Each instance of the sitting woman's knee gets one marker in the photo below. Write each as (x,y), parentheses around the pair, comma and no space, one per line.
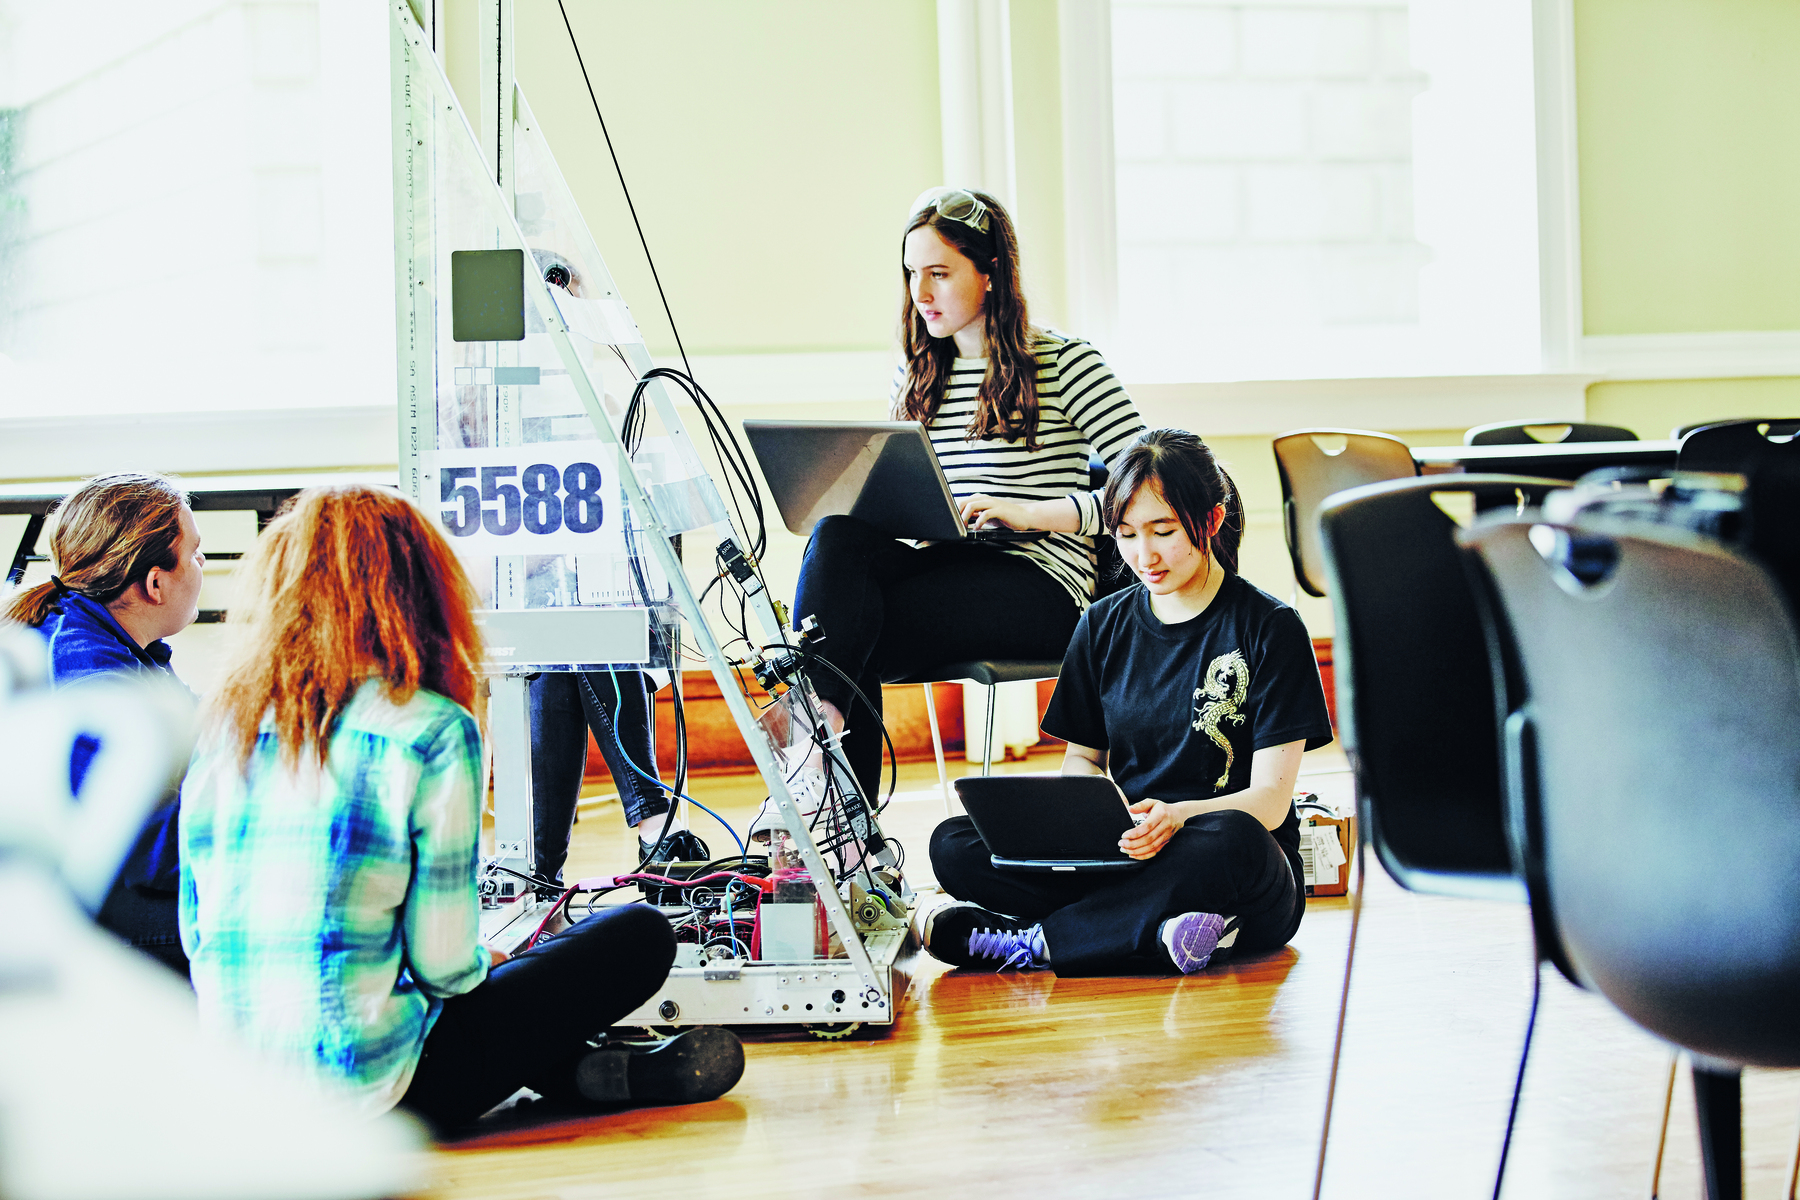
(953,842)
(839,532)
(643,934)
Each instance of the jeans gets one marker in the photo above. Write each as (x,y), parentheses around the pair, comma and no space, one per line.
(145,919)
(564,706)
(1105,923)
(887,608)
(529,1022)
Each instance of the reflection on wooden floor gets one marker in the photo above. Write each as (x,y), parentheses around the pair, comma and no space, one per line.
(1210,1085)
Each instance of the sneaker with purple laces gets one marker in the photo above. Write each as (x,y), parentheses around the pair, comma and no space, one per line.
(1193,938)
(1001,949)
(948,929)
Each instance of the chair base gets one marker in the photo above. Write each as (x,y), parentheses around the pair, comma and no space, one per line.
(1718,1096)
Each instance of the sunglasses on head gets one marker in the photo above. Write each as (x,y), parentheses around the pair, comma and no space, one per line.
(956,204)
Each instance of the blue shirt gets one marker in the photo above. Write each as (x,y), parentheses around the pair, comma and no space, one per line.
(86,640)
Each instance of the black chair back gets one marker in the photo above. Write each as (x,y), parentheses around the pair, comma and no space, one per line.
(1658,773)
(1525,433)
(1415,703)
(1777,425)
(1737,446)
(1110,574)
(1767,454)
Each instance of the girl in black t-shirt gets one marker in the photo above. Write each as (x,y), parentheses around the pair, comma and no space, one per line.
(1197,693)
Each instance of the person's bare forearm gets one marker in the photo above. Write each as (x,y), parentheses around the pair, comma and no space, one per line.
(1268,804)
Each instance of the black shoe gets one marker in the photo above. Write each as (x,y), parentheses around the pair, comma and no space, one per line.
(701,1064)
(682,845)
(947,928)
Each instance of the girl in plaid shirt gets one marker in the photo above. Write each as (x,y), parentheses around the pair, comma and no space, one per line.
(330,833)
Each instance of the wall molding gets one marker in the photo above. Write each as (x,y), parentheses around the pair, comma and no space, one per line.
(198,443)
(1265,407)
(1727,355)
(854,383)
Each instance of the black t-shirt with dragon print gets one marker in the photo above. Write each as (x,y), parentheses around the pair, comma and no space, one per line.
(1181,708)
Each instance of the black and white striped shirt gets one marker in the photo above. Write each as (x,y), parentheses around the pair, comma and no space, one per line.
(1082,410)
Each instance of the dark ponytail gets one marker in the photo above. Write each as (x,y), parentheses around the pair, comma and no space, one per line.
(1191,481)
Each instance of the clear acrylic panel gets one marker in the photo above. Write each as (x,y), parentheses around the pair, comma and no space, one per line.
(675,479)
(508,457)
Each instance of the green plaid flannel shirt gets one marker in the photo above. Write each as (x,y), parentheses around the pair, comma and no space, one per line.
(328,913)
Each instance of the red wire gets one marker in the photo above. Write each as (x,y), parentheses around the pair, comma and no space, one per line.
(543,924)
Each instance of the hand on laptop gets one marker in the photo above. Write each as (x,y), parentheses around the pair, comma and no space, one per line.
(1157,823)
(979,510)
(1062,515)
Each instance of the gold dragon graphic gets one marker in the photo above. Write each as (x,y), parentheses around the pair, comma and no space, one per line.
(1219,700)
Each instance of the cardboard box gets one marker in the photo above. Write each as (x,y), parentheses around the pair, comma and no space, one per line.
(1327,843)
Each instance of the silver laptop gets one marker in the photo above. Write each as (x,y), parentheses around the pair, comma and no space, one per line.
(882,472)
(1049,822)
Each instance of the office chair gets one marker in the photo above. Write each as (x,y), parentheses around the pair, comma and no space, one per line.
(1314,464)
(1415,699)
(1769,461)
(1661,693)
(1780,426)
(1525,433)
(1110,577)
(1736,446)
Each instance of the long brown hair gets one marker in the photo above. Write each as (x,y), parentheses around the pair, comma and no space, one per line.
(106,535)
(1006,406)
(1190,479)
(349,583)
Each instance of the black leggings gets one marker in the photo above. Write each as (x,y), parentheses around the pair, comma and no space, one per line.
(564,706)
(1221,862)
(887,609)
(528,1023)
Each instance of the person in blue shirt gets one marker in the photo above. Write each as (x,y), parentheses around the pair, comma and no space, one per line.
(127,574)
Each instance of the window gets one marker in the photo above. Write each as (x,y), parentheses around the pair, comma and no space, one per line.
(1324,189)
(186,221)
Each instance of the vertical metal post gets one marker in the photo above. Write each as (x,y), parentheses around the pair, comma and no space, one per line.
(509,729)
(509,717)
(414,302)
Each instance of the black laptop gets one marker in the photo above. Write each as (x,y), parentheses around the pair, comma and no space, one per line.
(1049,822)
(882,472)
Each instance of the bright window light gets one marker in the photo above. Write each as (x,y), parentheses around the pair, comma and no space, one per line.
(1329,189)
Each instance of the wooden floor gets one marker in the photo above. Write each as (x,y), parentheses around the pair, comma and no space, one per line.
(1210,1085)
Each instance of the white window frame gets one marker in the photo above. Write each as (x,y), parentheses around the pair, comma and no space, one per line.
(1571,359)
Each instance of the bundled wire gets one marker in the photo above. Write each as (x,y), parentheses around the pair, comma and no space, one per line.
(892,757)
(669,820)
(739,477)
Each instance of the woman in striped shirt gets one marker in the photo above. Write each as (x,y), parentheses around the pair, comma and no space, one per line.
(1014,412)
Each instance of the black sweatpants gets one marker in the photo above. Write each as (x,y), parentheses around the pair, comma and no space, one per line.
(1106,924)
(528,1023)
(564,705)
(887,608)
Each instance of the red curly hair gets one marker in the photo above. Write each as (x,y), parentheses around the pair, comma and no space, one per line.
(349,583)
